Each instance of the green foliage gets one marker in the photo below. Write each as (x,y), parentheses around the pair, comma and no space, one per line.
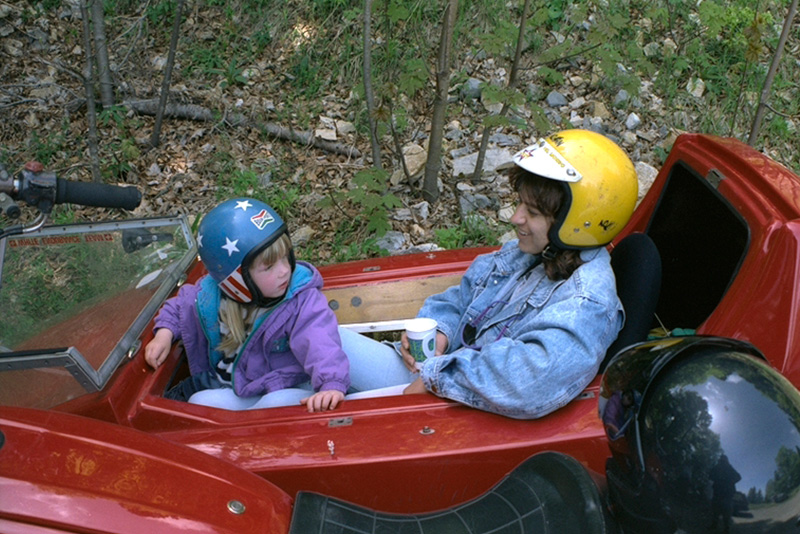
(252,183)
(348,244)
(45,147)
(63,214)
(472,231)
(233,74)
(501,40)
(414,76)
(371,199)
(114,114)
(492,94)
(325,8)
(238,183)
(306,76)
(123,154)
(161,13)
(372,196)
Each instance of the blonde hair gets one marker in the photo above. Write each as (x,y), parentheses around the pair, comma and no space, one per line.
(238,317)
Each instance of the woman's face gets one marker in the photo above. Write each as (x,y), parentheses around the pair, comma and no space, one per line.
(272,280)
(532,228)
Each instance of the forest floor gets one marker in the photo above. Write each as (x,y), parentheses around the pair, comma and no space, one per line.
(199,162)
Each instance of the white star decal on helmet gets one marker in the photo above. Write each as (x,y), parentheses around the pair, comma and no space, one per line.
(230,246)
(199,240)
(243,204)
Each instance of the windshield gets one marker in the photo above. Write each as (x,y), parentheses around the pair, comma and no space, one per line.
(74,300)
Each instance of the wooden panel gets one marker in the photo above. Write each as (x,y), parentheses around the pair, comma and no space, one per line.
(385,301)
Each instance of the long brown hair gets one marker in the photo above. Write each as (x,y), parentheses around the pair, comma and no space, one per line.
(548,197)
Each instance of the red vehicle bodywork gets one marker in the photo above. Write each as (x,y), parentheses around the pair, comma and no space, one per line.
(397,454)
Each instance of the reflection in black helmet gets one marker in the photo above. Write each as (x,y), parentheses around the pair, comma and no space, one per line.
(709,440)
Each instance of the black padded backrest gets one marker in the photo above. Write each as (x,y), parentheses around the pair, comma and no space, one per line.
(637,268)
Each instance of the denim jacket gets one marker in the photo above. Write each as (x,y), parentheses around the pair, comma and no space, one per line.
(539,350)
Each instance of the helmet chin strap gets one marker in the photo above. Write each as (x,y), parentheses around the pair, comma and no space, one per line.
(549,252)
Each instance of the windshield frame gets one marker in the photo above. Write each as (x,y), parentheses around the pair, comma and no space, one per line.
(71,358)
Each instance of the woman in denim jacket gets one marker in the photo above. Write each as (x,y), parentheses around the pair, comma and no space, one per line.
(528,326)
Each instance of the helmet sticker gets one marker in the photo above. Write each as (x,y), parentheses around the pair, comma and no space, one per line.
(262,219)
(543,159)
(243,205)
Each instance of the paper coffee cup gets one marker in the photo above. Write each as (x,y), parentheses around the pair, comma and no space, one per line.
(421,333)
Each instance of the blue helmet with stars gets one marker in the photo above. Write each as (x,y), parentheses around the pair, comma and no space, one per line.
(230,236)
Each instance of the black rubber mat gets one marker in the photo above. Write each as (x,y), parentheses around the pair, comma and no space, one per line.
(548,493)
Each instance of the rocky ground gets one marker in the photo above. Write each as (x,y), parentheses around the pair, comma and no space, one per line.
(43,112)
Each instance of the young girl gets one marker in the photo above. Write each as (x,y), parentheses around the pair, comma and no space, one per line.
(529,325)
(257,330)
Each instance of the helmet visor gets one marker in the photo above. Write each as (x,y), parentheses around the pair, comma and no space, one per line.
(543,159)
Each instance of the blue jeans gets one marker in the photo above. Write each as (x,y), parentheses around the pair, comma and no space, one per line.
(225,398)
(373,365)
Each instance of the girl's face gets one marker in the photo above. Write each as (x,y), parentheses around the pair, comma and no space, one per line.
(532,228)
(272,280)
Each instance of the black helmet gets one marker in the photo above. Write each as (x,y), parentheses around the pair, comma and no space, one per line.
(704,436)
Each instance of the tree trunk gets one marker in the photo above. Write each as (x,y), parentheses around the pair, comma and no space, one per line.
(430,185)
(369,95)
(512,83)
(764,97)
(101,54)
(173,44)
(88,83)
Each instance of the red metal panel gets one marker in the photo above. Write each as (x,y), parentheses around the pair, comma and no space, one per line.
(66,472)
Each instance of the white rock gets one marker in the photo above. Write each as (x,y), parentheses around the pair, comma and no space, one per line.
(32,121)
(696,87)
(465,187)
(495,158)
(345,127)
(13,47)
(505,213)
(326,129)
(302,235)
(629,138)
(159,62)
(646,174)
(415,156)
(652,49)
(578,103)
(600,110)
(633,121)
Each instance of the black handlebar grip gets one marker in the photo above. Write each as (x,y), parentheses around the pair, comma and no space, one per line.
(97,195)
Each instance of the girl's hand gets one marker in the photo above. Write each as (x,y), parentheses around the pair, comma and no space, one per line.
(158,349)
(408,359)
(323,400)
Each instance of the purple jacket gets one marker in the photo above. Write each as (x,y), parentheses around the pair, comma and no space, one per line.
(297,340)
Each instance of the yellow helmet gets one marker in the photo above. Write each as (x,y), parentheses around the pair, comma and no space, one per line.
(601,180)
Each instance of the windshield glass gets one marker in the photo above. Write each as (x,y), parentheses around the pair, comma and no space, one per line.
(74,299)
